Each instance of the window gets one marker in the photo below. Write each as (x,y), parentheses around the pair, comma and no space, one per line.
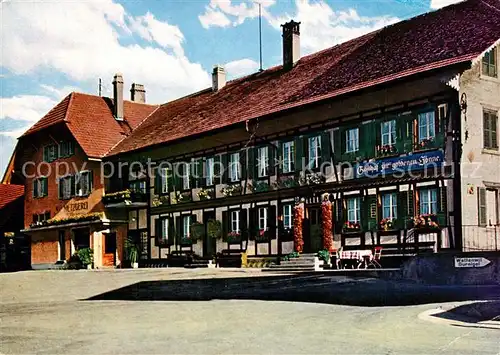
(426,126)
(353,211)
(388,132)
(352,140)
(262,161)
(490,63)
(41,217)
(194,172)
(263,218)
(83,183)
(234,167)
(287,217)
(428,201)
(490,129)
(314,144)
(164,229)
(185,176)
(235,221)
(164,176)
(138,186)
(389,205)
(186,223)
(66,149)
(66,187)
(40,187)
(288,157)
(210,171)
(50,153)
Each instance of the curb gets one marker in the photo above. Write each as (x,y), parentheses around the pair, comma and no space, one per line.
(430,314)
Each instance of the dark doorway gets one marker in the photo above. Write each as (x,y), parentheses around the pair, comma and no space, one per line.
(82,238)
(62,245)
(209,243)
(312,230)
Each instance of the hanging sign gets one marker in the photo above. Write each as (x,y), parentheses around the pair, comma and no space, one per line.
(471,262)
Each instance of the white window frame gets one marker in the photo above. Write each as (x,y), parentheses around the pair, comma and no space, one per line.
(235,221)
(287,214)
(186,183)
(355,209)
(390,135)
(424,121)
(430,204)
(262,214)
(262,161)
(288,149)
(210,171)
(352,136)
(79,183)
(392,200)
(493,52)
(164,180)
(234,167)
(186,222)
(164,229)
(66,187)
(314,151)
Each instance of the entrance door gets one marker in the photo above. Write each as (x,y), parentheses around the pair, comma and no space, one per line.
(109,258)
(82,238)
(62,245)
(209,243)
(312,230)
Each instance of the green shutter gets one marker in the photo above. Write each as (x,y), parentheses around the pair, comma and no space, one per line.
(279,159)
(171,232)
(158,231)
(177,176)
(442,207)
(377,127)
(337,145)
(158,182)
(339,216)
(271,168)
(251,163)
(481,202)
(45,186)
(403,215)
(271,221)
(243,164)
(326,147)
(299,154)
(244,223)
(225,224)
(370,220)
(367,140)
(225,167)
(217,169)
(178,230)
(72,180)
(201,172)
(493,128)
(254,223)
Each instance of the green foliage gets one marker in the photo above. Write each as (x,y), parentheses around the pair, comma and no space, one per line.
(214,228)
(132,250)
(324,255)
(290,256)
(196,231)
(86,256)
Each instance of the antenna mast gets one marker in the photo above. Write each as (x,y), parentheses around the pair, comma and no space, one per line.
(100,87)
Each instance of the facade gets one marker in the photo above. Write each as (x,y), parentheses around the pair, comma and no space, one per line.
(348,147)
(58,161)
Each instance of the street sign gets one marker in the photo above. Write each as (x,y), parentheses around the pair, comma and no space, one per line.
(471,262)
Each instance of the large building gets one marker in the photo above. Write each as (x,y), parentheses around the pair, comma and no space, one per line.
(390,139)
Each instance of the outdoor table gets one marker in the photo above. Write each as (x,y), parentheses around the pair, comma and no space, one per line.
(362,256)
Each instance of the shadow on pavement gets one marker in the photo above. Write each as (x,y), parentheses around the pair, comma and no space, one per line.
(297,288)
(473,312)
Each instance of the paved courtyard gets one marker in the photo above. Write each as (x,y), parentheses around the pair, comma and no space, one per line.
(233,311)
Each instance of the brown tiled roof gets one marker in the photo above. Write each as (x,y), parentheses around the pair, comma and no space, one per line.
(10,193)
(90,119)
(455,34)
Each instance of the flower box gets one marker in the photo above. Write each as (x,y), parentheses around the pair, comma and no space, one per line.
(386,150)
(424,144)
(94,216)
(351,227)
(126,196)
(233,237)
(205,194)
(181,197)
(312,179)
(425,221)
(387,224)
(259,186)
(231,190)
(286,182)
(160,201)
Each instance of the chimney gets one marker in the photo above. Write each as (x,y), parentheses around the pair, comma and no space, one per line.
(118,96)
(291,44)
(218,78)
(137,93)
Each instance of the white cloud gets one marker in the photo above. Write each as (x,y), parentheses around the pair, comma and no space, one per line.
(437,4)
(322,27)
(222,13)
(241,67)
(82,41)
(28,108)
(213,18)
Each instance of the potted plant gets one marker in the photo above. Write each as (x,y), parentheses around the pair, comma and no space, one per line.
(196,230)
(214,228)
(132,252)
(86,256)
(387,224)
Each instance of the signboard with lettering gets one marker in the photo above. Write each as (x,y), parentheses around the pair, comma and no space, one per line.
(402,164)
(471,262)
(77,207)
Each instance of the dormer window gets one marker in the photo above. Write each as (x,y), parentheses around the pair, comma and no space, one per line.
(489,63)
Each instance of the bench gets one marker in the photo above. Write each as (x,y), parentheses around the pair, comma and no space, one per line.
(231,258)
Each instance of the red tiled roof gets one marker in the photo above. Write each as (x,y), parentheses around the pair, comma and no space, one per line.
(90,119)
(10,193)
(455,34)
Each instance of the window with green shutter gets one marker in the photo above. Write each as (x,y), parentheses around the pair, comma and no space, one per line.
(370,218)
(489,63)
(287,157)
(490,130)
(481,206)
(299,155)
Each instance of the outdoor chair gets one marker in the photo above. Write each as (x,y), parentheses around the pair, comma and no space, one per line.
(338,259)
(377,255)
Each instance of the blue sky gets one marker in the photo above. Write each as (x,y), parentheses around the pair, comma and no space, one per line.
(50,49)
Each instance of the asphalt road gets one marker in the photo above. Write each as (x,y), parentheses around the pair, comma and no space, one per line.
(230,311)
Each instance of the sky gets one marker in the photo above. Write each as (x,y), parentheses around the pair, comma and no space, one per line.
(52,48)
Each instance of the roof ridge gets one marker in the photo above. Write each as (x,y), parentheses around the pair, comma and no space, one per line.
(65,119)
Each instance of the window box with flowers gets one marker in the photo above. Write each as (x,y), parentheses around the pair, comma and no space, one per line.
(286,182)
(181,197)
(262,236)
(386,150)
(231,190)
(94,216)
(160,201)
(259,186)
(232,237)
(351,227)
(205,194)
(312,179)
(388,224)
(426,221)
(425,144)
